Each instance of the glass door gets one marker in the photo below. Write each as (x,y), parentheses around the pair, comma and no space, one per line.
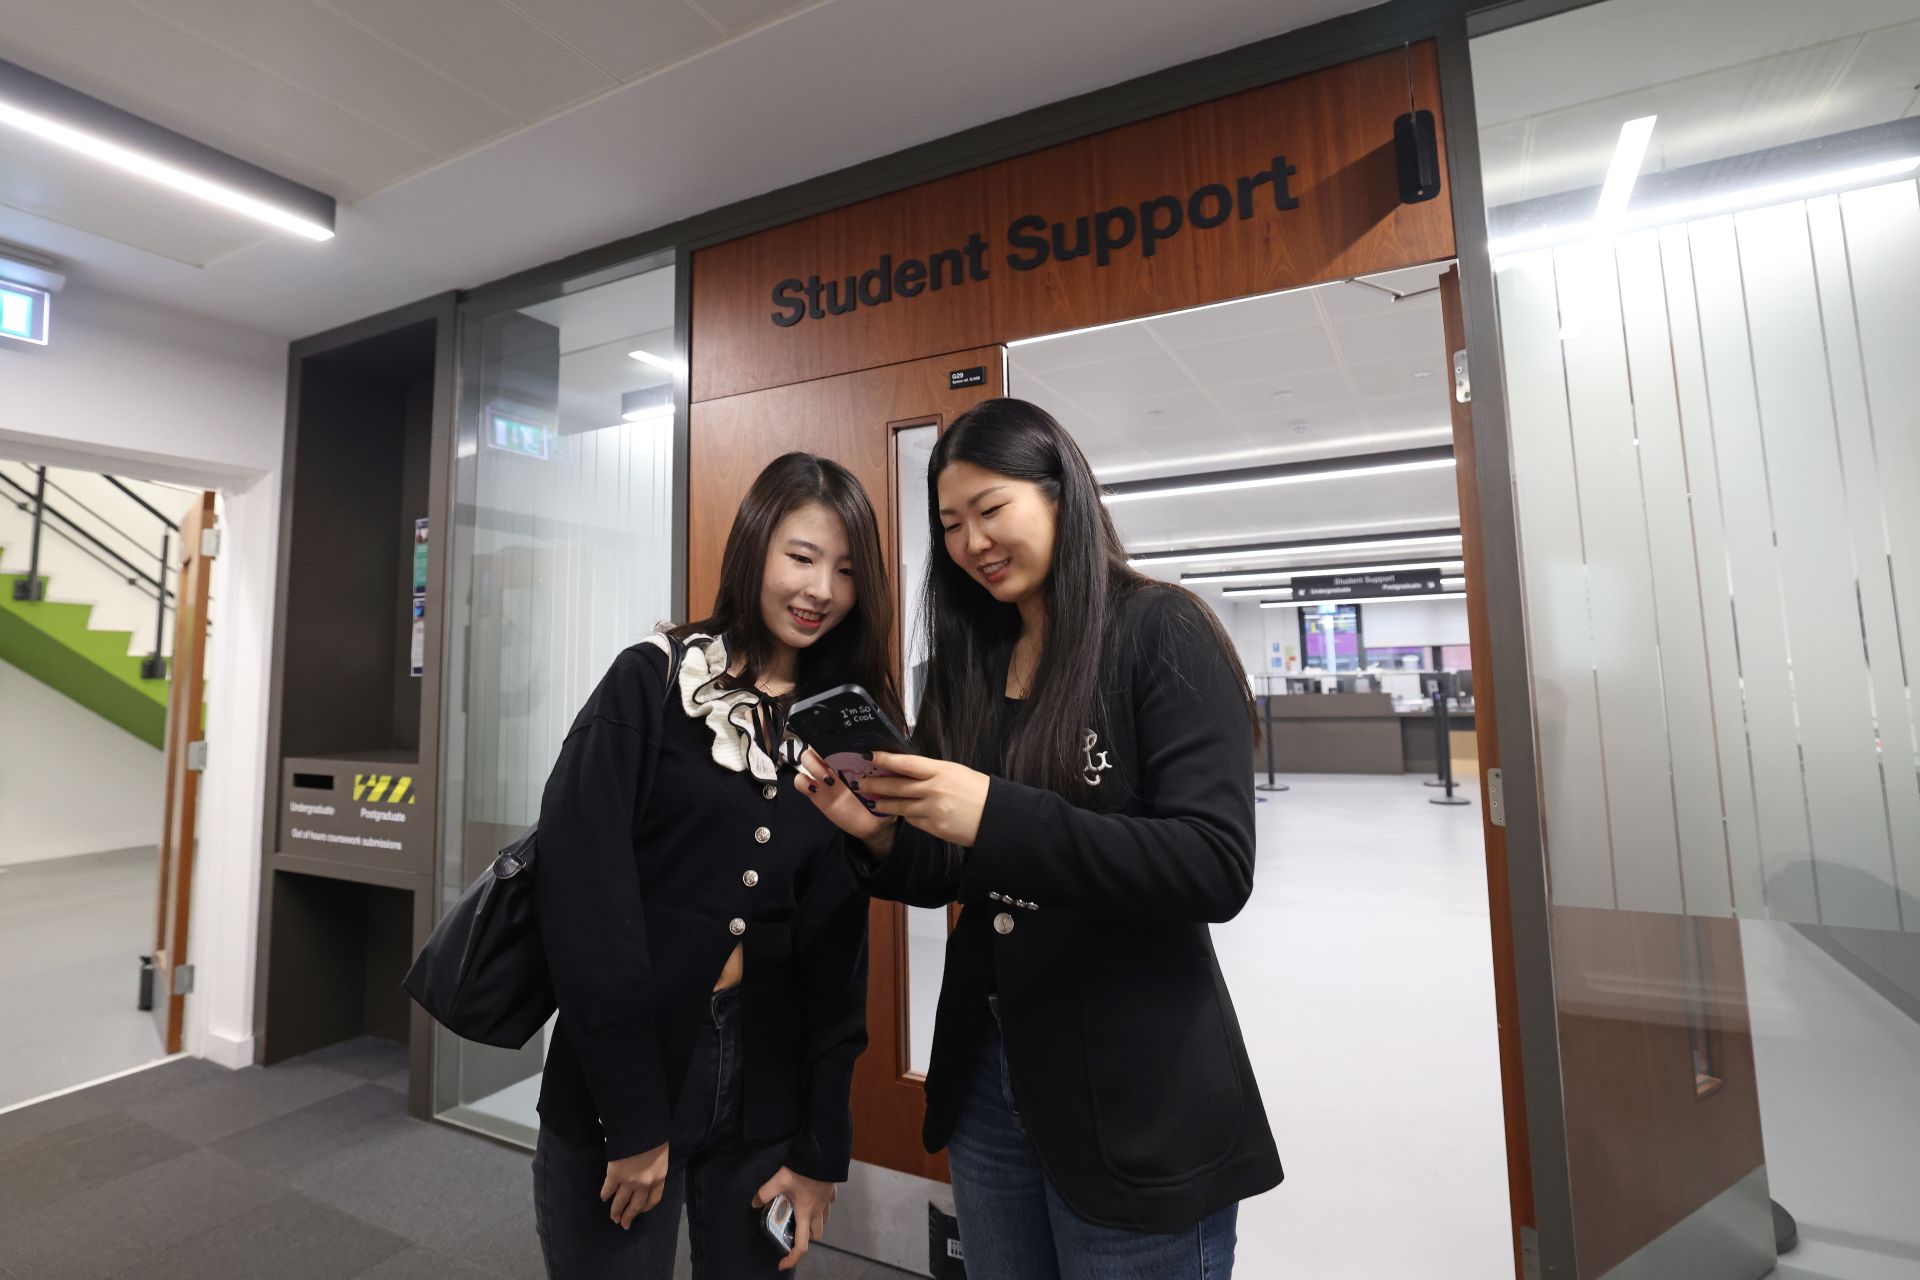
(1705,233)
(564,553)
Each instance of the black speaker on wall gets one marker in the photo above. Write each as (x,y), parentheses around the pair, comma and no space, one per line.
(1416,157)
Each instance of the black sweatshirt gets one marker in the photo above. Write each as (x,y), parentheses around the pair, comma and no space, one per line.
(654,862)
(1089,921)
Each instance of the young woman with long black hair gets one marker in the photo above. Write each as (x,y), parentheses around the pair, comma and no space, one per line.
(707,942)
(1086,791)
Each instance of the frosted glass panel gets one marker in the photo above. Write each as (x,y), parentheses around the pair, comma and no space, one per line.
(563,557)
(1714,437)
(926,927)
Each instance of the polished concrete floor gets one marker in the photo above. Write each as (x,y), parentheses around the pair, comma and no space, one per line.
(1362,974)
(308,1170)
(71,934)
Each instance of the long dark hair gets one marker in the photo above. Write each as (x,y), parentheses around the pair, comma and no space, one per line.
(856,651)
(969,633)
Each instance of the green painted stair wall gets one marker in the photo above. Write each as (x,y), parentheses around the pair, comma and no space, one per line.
(51,642)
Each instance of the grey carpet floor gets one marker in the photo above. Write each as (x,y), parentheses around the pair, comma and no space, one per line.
(309,1170)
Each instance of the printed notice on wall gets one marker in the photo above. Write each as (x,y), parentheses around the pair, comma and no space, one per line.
(419,637)
(419,558)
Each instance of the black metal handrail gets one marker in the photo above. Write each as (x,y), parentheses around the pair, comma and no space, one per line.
(33,586)
(77,501)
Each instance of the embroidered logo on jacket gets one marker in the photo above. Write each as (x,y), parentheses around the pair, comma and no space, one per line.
(1096,765)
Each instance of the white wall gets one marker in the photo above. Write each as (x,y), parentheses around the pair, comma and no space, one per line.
(70,781)
(150,392)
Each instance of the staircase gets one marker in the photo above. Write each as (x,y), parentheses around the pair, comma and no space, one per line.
(100,575)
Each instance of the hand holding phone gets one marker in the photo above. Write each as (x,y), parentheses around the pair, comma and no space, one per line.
(779,1223)
(845,726)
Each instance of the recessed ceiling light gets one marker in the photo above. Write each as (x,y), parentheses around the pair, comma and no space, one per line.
(1298,426)
(1283,394)
(1423,373)
(1156,413)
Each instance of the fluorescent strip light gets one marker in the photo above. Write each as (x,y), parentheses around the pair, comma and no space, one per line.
(1707,206)
(1263,482)
(1629,153)
(678,368)
(119,157)
(1316,548)
(1311,604)
(1289,574)
(649,414)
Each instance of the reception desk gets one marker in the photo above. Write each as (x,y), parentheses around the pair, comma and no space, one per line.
(1357,733)
(1332,733)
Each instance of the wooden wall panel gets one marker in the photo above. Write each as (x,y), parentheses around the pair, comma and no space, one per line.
(1335,128)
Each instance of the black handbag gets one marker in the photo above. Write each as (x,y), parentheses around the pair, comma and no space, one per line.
(483,973)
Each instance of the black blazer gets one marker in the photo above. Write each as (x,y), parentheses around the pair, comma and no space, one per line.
(654,862)
(1091,925)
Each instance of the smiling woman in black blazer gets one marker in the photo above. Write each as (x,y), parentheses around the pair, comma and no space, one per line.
(706,941)
(1085,791)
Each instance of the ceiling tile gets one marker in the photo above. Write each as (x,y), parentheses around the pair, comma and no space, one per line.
(331,57)
(1117,383)
(1266,314)
(1422,410)
(1259,355)
(628,38)
(1097,346)
(1396,378)
(1410,328)
(492,49)
(140,63)
(739,15)
(1285,393)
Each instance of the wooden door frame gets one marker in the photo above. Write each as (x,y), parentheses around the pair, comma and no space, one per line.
(1506,1001)
(186,711)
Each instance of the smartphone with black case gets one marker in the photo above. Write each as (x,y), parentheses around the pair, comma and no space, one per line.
(845,725)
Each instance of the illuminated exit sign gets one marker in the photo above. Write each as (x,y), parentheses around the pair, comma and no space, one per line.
(23,313)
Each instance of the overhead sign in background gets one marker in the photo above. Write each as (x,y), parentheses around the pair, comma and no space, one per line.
(24,312)
(1277,187)
(1353,586)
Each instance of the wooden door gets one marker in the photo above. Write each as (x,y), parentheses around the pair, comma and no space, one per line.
(853,419)
(1506,998)
(186,704)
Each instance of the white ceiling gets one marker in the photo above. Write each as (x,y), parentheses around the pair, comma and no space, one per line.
(1341,369)
(1724,79)
(468,139)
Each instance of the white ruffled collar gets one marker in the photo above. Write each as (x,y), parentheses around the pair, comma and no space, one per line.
(729,713)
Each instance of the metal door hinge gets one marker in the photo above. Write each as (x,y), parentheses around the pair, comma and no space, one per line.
(1529,1253)
(183,979)
(1462,383)
(1496,799)
(209,543)
(197,756)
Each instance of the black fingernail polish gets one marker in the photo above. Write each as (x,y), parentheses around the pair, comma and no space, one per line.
(866,755)
(812,790)
(830,780)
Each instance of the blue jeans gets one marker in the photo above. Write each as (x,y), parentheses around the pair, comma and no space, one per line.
(1015,1226)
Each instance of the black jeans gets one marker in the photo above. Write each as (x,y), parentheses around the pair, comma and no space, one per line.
(709,1172)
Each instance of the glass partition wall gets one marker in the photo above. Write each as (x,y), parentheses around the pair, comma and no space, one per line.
(564,547)
(1705,234)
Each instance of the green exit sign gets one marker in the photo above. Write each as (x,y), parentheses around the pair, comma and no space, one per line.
(23,313)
